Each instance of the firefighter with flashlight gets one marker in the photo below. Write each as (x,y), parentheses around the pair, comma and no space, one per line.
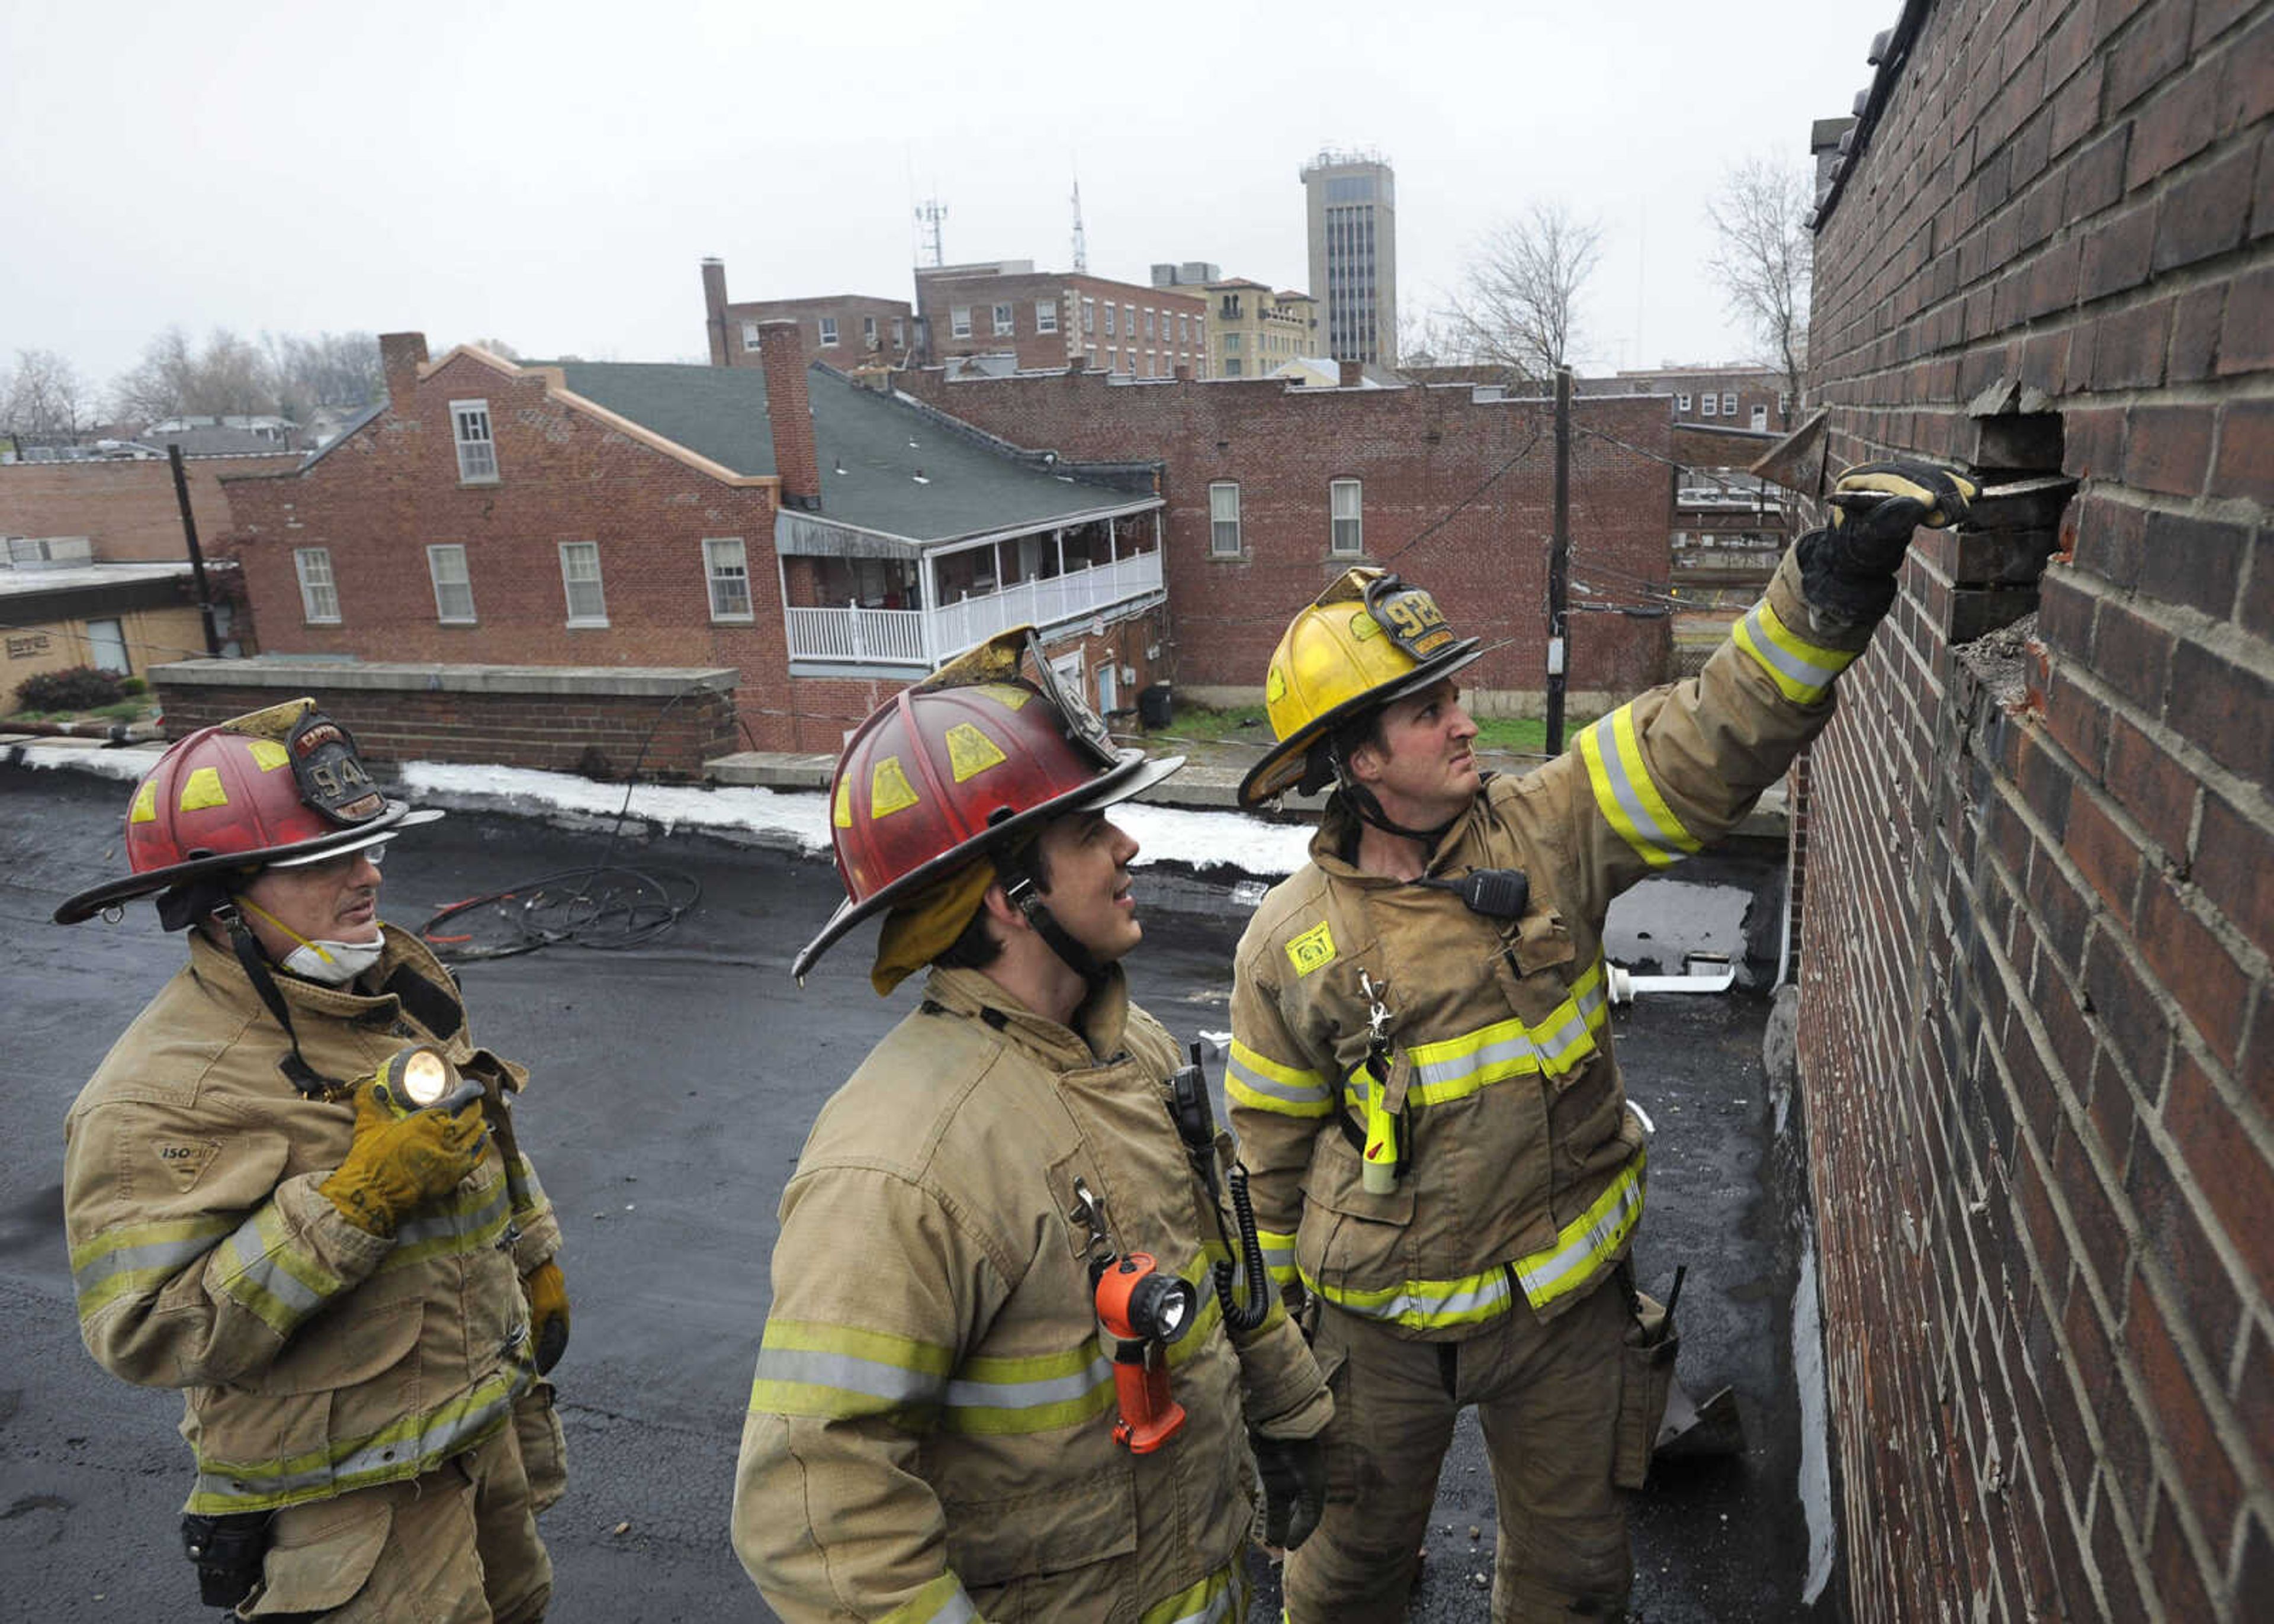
(1000,1377)
(1421,1073)
(292,1189)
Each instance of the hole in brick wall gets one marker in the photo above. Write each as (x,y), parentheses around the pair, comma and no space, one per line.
(2016,525)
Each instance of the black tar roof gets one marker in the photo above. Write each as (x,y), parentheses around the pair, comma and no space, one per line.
(872,446)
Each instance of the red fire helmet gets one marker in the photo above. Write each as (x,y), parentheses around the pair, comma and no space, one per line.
(275,787)
(970,759)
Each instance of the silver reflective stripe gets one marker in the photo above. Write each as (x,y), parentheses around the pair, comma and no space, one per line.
(1513,1048)
(1490,1292)
(891,1384)
(1581,1251)
(1808,677)
(245,1257)
(1644,822)
(224,1486)
(964,1393)
(154,1256)
(446,1225)
(1308,1094)
(957,1609)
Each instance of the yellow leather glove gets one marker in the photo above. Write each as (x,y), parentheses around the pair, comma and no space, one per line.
(398,1164)
(1849,569)
(548,1312)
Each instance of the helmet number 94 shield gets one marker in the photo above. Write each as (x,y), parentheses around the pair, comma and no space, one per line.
(1410,615)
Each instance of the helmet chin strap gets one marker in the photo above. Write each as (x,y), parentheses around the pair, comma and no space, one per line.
(1018,888)
(1368,809)
(304,1077)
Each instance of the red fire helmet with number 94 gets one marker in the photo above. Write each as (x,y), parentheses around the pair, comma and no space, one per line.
(273,788)
(971,758)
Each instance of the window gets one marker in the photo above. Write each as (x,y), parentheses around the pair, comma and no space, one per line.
(1231,344)
(1346,530)
(1729,404)
(1089,316)
(829,331)
(320,598)
(728,568)
(900,331)
(1224,519)
(469,422)
(749,335)
(1046,316)
(1682,403)
(1148,327)
(1003,322)
(1760,416)
(1113,360)
(1706,404)
(580,580)
(959,322)
(454,591)
(1231,366)
(1129,318)
(869,331)
(1109,321)
(1184,329)
(1784,405)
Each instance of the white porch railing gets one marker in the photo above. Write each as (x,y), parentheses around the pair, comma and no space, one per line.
(928,637)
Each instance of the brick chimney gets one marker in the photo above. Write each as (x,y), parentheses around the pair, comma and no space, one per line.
(789,414)
(401,355)
(714,311)
(1354,374)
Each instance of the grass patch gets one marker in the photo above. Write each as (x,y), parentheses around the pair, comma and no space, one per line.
(124,711)
(1248,724)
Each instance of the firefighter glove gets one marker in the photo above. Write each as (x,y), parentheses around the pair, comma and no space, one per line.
(397,1165)
(548,1312)
(1848,569)
(1294,1472)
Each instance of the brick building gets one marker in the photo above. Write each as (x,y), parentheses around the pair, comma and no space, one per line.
(843,330)
(828,542)
(1272,492)
(1049,319)
(126,508)
(2036,1020)
(1747,397)
(1253,331)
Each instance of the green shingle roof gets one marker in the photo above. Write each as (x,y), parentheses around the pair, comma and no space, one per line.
(872,447)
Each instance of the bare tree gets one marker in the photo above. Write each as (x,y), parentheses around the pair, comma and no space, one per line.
(1766,257)
(157,386)
(229,377)
(331,369)
(1518,304)
(46,402)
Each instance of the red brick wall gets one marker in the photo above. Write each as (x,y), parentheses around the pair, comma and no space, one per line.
(379,500)
(1417,453)
(852,347)
(1066,292)
(2036,1033)
(601,735)
(127,510)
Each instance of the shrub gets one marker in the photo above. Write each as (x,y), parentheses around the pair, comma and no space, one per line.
(134,687)
(78,688)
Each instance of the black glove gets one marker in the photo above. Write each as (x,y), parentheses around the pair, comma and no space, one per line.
(1294,1487)
(1849,570)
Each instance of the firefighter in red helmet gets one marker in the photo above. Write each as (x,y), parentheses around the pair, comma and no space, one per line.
(991,1382)
(292,1189)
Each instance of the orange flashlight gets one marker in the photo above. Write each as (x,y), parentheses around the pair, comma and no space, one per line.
(1144,1310)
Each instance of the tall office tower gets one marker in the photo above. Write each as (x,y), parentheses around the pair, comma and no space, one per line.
(1350,199)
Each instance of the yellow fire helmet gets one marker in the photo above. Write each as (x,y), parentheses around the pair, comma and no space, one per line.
(1368,639)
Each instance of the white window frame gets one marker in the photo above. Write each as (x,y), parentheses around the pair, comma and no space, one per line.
(899,330)
(1708,405)
(1784,405)
(1682,403)
(959,322)
(437,556)
(730,569)
(1149,324)
(569,583)
(1346,531)
(1759,419)
(1129,318)
(749,335)
(477,441)
(1046,315)
(1728,403)
(1110,331)
(1231,344)
(1223,518)
(1089,316)
(1183,327)
(827,328)
(320,588)
(1006,320)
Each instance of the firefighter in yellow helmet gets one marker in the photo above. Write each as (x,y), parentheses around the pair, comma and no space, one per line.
(292,1190)
(1421,1075)
(1008,1371)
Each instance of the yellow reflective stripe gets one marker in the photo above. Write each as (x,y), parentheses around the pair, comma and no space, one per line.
(1586,1244)
(1625,793)
(1279,1255)
(1219,1596)
(1257,1080)
(1454,1068)
(940,1602)
(1803,671)
(1424,1305)
(470,1220)
(262,1270)
(128,1258)
(807,1368)
(404,1448)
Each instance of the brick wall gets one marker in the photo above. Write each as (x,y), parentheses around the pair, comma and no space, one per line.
(2036,1033)
(1419,455)
(547,721)
(942,293)
(128,509)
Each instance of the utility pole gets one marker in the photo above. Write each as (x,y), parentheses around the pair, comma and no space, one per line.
(197,556)
(1559,565)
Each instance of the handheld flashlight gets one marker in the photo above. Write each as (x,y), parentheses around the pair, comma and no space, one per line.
(422,1079)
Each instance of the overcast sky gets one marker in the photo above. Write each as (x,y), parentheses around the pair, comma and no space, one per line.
(550,175)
